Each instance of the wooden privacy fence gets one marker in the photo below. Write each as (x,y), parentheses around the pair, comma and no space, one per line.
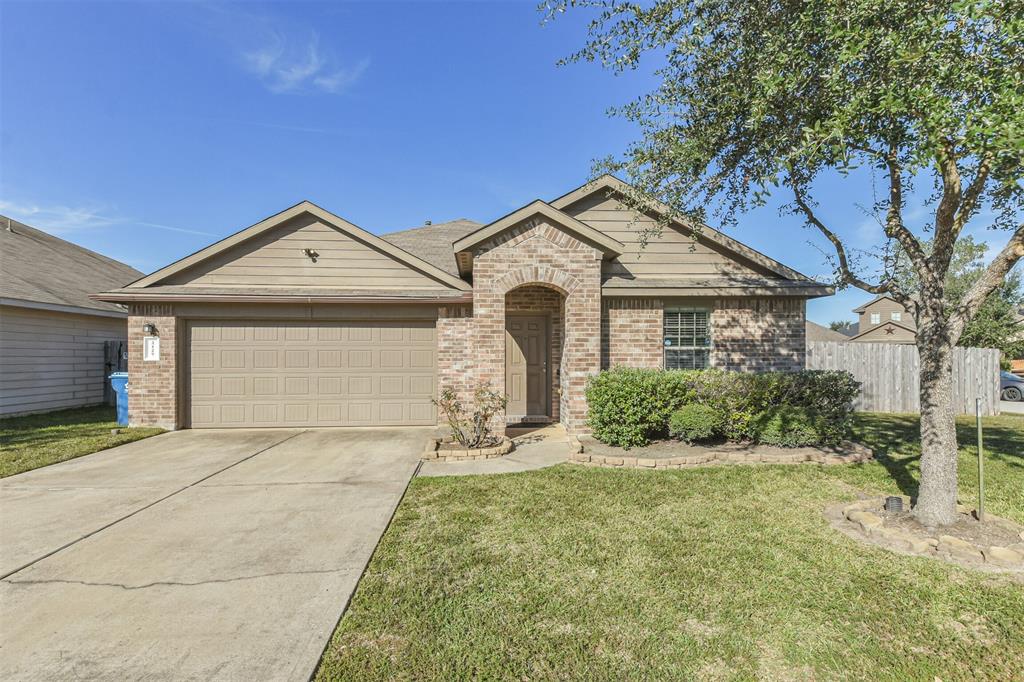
(888,373)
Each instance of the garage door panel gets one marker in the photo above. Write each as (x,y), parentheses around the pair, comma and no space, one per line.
(311,373)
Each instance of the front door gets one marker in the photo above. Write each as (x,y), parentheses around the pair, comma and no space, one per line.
(526,366)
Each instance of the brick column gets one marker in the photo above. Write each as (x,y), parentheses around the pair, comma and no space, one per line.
(456,363)
(153,385)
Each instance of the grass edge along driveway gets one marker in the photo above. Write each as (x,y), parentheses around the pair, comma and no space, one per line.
(36,440)
(710,573)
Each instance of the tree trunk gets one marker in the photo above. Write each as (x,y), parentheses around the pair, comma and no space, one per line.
(936,499)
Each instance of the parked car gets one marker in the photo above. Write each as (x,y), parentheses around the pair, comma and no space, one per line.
(1011,386)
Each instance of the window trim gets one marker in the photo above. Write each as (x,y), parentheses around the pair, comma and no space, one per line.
(896,316)
(711,336)
(876,318)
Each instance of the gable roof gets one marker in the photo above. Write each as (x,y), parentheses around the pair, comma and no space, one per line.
(331,219)
(43,271)
(610,184)
(876,299)
(433,243)
(607,245)
(816,332)
(883,325)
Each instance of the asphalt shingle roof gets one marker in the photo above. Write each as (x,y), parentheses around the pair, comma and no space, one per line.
(38,267)
(433,243)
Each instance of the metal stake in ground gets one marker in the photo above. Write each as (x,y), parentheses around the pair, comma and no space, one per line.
(981,463)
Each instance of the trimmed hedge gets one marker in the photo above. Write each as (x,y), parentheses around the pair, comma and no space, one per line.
(630,406)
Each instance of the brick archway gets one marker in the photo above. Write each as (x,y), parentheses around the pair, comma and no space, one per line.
(541,254)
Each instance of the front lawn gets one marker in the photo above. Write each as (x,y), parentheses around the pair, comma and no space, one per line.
(711,573)
(37,440)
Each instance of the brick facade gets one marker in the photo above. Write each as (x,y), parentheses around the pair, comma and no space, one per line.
(759,334)
(531,253)
(153,385)
(632,332)
(456,364)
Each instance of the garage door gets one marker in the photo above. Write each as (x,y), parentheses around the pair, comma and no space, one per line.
(306,373)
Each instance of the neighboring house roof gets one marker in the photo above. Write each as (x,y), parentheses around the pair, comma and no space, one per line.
(433,243)
(882,325)
(815,332)
(327,217)
(39,270)
(876,299)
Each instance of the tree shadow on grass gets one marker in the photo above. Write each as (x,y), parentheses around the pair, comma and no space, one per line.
(896,442)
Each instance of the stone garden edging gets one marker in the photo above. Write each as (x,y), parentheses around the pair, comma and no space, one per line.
(856,519)
(846,453)
(433,451)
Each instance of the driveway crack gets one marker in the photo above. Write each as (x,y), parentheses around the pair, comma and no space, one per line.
(151,504)
(175,583)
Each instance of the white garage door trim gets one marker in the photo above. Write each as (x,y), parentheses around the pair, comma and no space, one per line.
(294,373)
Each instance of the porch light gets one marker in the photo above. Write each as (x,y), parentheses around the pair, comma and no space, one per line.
(149,329)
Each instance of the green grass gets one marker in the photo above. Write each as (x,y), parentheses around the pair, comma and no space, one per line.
(711,573)
(37,440)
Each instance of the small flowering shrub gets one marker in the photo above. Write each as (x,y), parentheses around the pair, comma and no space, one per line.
(471,427)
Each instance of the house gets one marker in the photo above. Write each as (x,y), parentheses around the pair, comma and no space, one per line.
(815,332)
(884,320)
(53,336)
(305,319)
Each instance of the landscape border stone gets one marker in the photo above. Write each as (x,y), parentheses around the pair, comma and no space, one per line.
(859,520)
(433,451)
(847,452)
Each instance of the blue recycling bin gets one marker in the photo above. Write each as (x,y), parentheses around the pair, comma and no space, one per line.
(119,382)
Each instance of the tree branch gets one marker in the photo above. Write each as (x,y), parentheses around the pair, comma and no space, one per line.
(993,276)
(845,273)
(945,215)
(894,227)
(973,194)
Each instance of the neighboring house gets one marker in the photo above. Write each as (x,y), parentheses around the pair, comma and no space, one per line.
(305,319)
(815,332)
(883,320)
(52,334)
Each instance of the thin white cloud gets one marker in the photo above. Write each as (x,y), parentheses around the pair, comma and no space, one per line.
(286,65)
(59,219)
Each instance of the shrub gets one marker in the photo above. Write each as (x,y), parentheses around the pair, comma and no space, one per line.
(471,428)
(630,406)
(786,426)
(695,422)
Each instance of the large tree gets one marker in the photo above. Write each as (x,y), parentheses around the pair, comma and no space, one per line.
(755,97)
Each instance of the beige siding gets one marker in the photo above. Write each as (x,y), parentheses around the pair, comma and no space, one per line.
(671,255)
(886,333)
(884,308)
(51,360)
(276,259)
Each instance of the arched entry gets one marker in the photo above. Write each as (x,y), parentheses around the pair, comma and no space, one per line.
(534,334)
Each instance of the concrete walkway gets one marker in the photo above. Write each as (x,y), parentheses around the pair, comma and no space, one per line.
(536,448)
(1007,407)
(194,555)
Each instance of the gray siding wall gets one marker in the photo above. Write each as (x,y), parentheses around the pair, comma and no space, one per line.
(276,259)
(51,360)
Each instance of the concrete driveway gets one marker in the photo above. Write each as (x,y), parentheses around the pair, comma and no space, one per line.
(194,555)
(1007,407)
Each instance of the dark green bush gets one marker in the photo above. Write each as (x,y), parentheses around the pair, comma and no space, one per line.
(629,406)
(695,422)
(786,426)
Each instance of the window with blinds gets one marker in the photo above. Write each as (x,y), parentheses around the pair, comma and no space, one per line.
(687,339)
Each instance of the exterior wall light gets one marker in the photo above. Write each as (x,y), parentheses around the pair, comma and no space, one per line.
(149,329)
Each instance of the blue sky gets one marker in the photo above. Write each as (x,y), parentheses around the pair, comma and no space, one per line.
(145,131)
